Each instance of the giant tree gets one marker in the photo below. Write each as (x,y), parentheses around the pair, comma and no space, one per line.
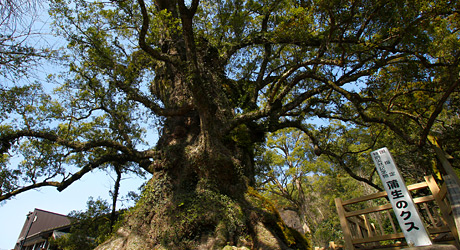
(215,76)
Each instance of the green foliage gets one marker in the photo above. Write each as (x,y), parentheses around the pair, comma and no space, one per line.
(301,181)
(223,74)
(89,228)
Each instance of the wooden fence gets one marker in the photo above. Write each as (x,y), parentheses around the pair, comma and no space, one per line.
(367,226)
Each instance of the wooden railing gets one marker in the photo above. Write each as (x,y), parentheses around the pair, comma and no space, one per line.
(367,226)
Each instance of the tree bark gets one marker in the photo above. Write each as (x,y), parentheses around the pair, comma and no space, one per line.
(199,198)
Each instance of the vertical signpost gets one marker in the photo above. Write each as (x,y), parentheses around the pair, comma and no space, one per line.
(400,199)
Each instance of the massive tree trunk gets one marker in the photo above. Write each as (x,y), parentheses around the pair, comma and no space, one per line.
(199,196)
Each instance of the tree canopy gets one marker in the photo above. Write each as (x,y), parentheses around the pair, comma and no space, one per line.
(215,77)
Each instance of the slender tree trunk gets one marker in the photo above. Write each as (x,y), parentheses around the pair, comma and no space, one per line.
(116,189)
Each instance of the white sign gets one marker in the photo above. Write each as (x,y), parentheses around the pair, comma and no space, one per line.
(401,200)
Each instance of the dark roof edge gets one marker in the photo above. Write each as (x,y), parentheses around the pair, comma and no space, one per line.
(38,209)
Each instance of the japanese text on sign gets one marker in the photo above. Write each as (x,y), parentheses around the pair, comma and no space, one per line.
(400,198)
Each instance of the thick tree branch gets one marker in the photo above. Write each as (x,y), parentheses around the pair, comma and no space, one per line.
(109,158)
(143,158)
(356,100)
(260,76)
(338,158)
(261,39)
(8,138)
(135,95)
(352,174)
(90,166)
(27,188)
(142,37)
(247,117)
(186,16)
(437,111)
(275,108)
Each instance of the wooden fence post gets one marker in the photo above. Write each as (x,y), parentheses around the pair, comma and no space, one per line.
(452,181)
(344,223)
(442,206)
(332,245)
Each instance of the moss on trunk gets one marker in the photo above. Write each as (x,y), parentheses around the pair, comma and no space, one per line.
(199,198)
(203,219)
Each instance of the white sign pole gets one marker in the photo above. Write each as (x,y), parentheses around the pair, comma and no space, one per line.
(401,200)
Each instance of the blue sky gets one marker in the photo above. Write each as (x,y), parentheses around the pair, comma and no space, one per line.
(13,212)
